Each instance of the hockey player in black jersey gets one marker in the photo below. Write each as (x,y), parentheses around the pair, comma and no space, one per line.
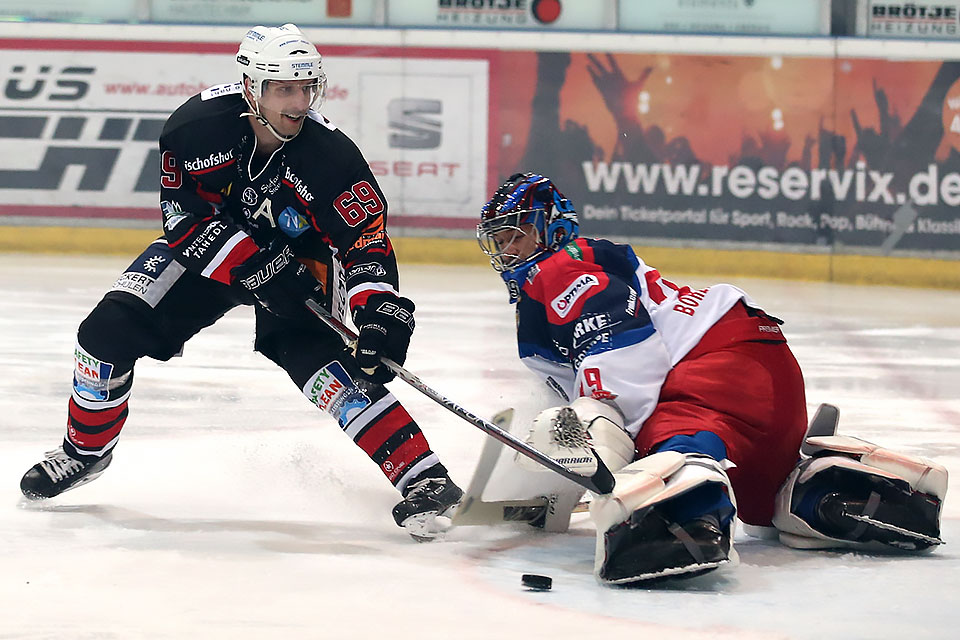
(266,203)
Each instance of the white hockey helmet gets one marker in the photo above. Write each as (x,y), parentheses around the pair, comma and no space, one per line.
(279,53)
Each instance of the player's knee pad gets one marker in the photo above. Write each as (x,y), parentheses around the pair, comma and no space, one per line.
(854,494)
(641,533)
(567,437)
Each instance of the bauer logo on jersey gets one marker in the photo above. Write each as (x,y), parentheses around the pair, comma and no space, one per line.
(91,377)
(332,390)
(563,303)
(291,222)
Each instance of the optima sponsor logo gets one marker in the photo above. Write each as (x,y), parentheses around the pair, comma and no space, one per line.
(563,303)
(214,160)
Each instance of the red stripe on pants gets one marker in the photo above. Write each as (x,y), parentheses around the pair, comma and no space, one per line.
(751,395)
(404,456)
(81,419)
(382,428)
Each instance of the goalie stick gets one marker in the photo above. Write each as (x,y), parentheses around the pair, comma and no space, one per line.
(600,482)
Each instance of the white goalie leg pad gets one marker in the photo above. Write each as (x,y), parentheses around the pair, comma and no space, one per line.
(859,456)
(923,475)
(651,480)
(600,427)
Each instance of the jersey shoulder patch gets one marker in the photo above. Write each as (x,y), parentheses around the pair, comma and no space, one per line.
(319,117)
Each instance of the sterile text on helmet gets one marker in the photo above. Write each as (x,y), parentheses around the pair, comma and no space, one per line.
(291,180)
(563,303)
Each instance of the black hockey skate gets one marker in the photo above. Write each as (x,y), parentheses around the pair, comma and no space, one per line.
(427,507)
(59,472)
(650,546)
(878,509)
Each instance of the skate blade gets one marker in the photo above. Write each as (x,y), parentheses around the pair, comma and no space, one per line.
(879,524)
(429,526)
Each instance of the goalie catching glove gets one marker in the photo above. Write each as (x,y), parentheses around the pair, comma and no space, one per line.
(571,434)
(279,282)
(385,326)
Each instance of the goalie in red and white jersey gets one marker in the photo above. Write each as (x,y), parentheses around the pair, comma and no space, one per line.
(693,399)
(266,203)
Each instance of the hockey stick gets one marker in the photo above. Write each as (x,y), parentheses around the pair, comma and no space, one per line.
(600,482)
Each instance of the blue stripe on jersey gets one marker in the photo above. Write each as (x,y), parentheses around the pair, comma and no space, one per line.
(624,339)
(528,349)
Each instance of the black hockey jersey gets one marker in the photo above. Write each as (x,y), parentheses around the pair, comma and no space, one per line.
(220,203)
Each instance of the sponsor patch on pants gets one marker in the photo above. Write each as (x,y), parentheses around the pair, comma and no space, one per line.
(332,389)
(91,377)
(151,275)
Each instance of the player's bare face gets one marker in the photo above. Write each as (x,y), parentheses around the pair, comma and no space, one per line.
(516,245)
(285,103)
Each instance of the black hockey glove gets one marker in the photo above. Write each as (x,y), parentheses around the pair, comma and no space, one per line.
(386,324)
(279,282)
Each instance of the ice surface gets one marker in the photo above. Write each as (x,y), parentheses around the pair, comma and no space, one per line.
(233,509)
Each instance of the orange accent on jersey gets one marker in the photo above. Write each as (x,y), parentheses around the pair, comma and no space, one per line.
(318,269)
(374,233)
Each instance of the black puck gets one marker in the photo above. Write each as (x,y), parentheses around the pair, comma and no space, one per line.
(533,581)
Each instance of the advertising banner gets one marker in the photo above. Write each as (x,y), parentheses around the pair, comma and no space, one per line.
(75,10)
(266,12)
(588,15)
(79,126)
(741,149)
(803,17)
(910,20)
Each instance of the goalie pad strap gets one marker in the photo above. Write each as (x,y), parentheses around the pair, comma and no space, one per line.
(922,474)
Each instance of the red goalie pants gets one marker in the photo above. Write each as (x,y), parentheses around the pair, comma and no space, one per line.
(748,391)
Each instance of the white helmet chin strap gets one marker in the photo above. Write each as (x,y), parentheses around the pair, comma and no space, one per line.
(263,120)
